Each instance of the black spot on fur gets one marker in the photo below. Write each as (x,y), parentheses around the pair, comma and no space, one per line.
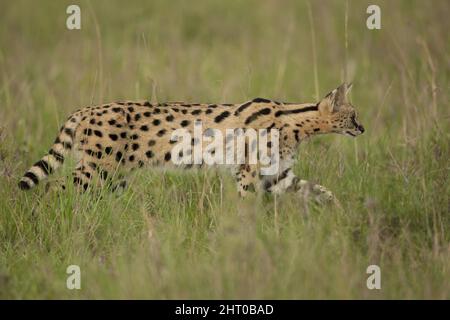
(23,185)
(59,157)
(222,116)
(261,100)
(87,174)
(255,115)
(104,174)
(44,166)
(67,145)
(32,176)
(77,181)
(242,108)
(113,137)
(305,109)
(194,141)
(98,133)
(297,138)
(87,131)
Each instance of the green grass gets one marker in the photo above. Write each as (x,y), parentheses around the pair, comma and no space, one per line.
(175,235)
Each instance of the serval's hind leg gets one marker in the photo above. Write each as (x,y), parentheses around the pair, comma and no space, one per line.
(84,174)
(247,179)
(119,185)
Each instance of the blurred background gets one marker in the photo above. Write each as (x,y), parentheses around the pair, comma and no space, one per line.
(179,236)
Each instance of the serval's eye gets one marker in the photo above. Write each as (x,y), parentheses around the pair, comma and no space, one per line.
(353,119)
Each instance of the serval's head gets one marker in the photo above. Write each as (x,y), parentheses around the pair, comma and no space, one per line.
(340,113)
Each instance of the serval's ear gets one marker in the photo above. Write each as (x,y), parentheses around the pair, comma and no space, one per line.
(335,99)
(341,94)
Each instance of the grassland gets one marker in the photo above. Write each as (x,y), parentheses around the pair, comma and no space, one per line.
(174,235)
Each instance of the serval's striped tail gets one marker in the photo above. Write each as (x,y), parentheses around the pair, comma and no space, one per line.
(54,158)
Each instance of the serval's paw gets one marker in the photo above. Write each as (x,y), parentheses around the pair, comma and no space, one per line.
(322,194)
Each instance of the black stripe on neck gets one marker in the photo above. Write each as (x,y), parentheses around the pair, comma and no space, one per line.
(305,109)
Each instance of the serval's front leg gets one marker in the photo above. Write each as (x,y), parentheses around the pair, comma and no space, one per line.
(287,181)
(319,193)
(246,178)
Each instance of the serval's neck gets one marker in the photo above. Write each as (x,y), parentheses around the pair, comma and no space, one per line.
(304,117)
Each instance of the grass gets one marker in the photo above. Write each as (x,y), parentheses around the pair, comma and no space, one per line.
(175,235)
